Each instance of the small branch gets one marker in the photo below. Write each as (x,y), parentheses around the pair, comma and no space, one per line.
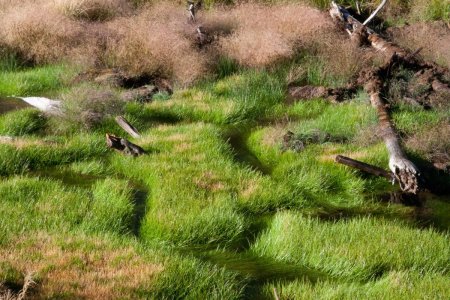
(375,12)
(374,170)
(358,8)
(275,294)
(125,125)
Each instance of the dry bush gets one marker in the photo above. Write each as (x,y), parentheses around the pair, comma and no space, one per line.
(432,142)
(90,105)
(38,32)
(265,34)
(433,37)
(157,41)
(93,10)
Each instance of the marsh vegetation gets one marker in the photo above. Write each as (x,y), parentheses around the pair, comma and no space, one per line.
(217,207)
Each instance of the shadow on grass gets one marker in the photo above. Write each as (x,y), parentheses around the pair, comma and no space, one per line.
(242,154)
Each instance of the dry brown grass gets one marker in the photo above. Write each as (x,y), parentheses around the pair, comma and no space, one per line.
(7,294)
(38,32)
(90,105)
(266,34)
(80,267)
(433,37)
(93,10)
(432,142)
(157,41)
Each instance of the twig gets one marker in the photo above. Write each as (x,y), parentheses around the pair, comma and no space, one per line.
(275,294)
(375,12)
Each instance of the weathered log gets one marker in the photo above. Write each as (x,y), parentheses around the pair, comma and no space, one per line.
(405,172)
(374,170)
(125,125)
(123,145)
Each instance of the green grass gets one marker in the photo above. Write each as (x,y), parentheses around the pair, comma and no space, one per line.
(22,122)
(402,285)
(112,207)
(91,221)
(34,81)
(360,248)
(18,157)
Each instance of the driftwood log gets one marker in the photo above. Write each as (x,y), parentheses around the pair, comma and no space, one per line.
(374,170)
(123,145)
(405,172)
(125,125)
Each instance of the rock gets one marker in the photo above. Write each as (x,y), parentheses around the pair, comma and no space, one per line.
(141,94)
(44,104)
(111,78)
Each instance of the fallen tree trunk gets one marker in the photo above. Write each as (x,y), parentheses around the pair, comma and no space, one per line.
(405,172)
(125,125)
(123,145)
(374,170)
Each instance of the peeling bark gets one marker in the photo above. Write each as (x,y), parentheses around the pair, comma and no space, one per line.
(405,172)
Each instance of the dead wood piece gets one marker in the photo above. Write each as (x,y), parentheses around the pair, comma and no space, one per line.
(309,92)
(404,170)
(125,125)
(374,170)
(123,145)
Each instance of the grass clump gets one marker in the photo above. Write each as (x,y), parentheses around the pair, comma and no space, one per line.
(394,285)
(36,81)
(88,107)
(361,248)
(19,156)
(23,122)
(191,279)
(30,204)
(111,208)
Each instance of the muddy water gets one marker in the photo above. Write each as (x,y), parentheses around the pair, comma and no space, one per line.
(8,104)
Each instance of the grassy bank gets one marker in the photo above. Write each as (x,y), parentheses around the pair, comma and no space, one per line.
(221,206)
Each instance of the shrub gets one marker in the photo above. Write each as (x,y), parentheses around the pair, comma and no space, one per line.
(92,10)
(39,33)
(88,106)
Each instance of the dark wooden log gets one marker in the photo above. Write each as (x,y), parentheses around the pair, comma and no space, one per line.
(125,125)
(374,170)
(123,145)
(405,172)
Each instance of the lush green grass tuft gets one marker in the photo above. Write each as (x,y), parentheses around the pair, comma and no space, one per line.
(23,122)
(35,81)
(361,248)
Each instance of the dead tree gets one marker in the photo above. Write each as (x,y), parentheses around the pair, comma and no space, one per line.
(405,172)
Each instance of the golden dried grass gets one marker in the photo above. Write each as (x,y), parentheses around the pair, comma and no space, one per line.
(38,32)
(266,34)
(93,10)
(82,267)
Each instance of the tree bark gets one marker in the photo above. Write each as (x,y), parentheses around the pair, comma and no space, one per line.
(125,125)
(405,172)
